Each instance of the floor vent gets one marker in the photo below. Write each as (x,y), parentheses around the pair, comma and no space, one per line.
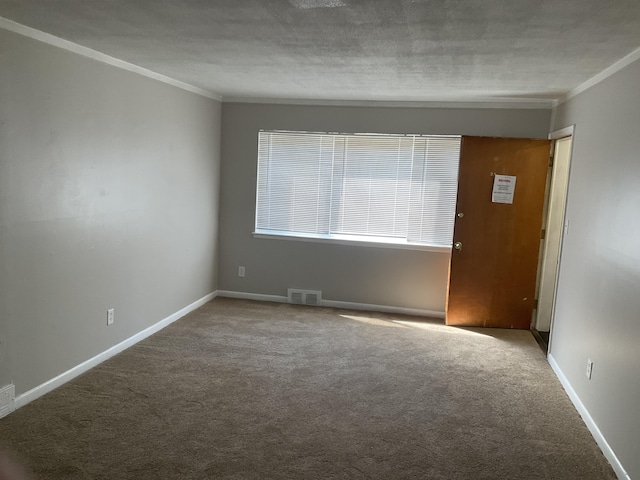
(304,297)
(7,395)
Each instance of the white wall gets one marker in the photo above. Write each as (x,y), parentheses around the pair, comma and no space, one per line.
(379,276)
(598,305)
(108,198)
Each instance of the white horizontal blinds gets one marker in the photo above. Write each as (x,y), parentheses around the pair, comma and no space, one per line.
(391,186)
(436,186)
(372,186)
(263,190)
(294,182)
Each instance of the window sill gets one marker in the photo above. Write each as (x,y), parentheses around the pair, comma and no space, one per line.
(350,240)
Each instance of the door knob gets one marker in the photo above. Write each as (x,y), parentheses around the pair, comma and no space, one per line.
(458,246)
(460,214)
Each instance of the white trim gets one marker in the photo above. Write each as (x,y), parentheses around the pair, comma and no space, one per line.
(34,34)
(562,133)
(362,241)
(588,420)
(253,296)
(83,367)
(440,102)
(337,304)
(603,75)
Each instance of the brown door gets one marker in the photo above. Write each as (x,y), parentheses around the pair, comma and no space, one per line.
(492,276)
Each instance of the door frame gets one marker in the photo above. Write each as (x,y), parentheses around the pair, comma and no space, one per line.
(561,222)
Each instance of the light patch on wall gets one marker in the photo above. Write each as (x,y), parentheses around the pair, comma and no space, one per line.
(317,3)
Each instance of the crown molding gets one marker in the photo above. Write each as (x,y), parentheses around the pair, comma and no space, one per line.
(58,42)
(467,102)
(440,102)
(603,75)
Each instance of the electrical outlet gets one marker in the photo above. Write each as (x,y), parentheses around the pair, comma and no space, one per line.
(241,271)
(589,368)
(111,316)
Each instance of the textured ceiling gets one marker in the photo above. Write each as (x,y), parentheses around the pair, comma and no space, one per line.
(353,50)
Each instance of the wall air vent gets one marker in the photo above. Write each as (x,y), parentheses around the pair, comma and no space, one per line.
(7,396)
(304,297)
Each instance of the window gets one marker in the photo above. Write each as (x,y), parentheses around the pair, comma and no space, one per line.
(391,189)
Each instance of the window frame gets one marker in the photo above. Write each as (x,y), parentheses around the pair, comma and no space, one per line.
(344,239)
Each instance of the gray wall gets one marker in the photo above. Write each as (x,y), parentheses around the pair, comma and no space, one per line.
(108,198)
(381,276)
(598,304)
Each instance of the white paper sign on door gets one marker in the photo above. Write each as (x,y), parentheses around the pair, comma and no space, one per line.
(504,186)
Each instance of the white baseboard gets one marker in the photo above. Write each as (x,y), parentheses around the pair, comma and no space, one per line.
(337,304)
(70,374)
(588,420)
(252,296)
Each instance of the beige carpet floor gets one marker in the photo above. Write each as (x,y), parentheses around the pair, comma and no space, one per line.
(251,390)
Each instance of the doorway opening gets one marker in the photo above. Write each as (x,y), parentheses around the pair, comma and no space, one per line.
(555,226)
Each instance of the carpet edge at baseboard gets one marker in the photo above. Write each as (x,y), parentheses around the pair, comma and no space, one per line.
(46,387)
(589,421)
(337,304)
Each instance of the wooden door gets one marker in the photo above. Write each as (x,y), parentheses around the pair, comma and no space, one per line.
(492,276)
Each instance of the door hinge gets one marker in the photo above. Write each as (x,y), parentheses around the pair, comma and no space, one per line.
(543,233)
